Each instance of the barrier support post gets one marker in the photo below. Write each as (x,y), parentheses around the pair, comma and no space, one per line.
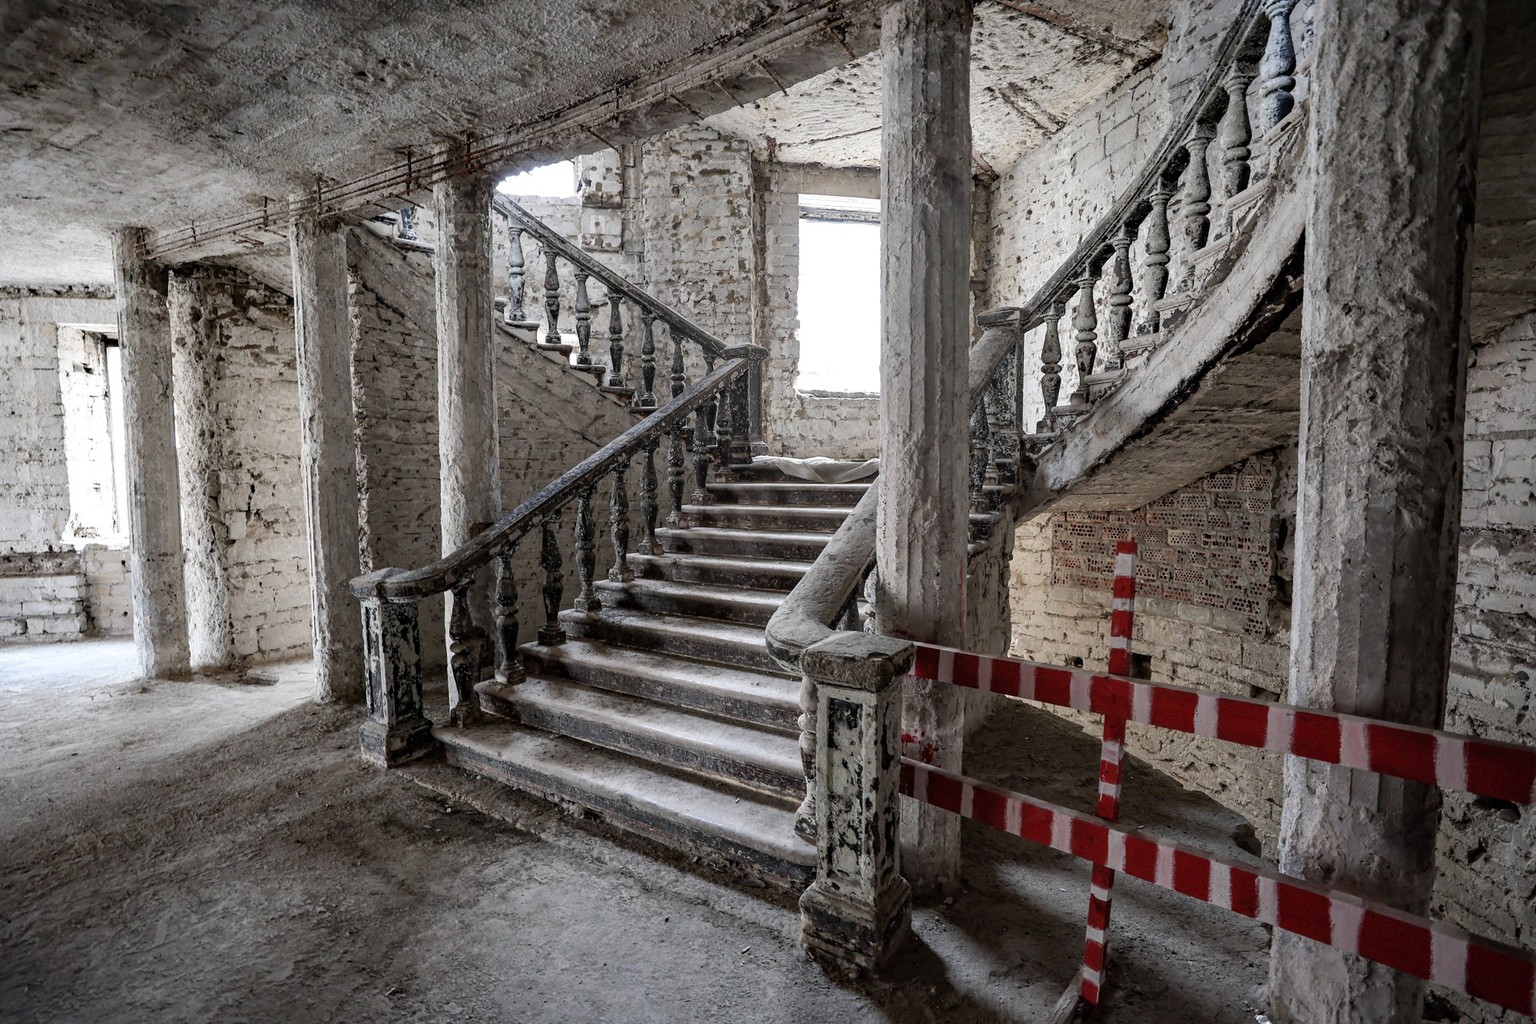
(1111,756)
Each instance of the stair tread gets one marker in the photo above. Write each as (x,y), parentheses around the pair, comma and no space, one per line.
(739,814)
(686,624)
(725,562)
(725,679)
(713,532)
(635,716)
(713,592)
(810,511)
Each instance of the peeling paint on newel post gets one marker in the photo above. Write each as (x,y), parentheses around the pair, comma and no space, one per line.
(857,911)
(396,730)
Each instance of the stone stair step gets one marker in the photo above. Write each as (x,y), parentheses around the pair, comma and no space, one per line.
(791,518)
(777,544)
(726,643)
(789,492)
(754,697)
(743,754)
(732,604)
(755,573)
(677,809)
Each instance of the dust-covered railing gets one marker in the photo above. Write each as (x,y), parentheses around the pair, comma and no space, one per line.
(696,426)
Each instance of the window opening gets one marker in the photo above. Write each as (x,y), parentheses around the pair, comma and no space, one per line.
(558,180)
(839,295)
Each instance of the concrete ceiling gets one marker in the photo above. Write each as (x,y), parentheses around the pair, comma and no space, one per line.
(148,112)
(118,112)
(1033,67)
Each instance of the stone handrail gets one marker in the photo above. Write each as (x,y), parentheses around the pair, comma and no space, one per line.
(1257,46)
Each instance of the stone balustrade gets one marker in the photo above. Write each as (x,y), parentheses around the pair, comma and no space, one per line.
(700,422)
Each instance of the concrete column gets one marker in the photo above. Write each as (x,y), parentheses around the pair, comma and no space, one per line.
(195,341)
(154,512)
(1384,353)
(470,474)
(322,331)
(920,537)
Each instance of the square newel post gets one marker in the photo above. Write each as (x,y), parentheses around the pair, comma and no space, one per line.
(857,911)
(396,730)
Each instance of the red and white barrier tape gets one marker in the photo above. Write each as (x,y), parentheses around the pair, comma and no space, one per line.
(1483,968)
(1111,757)
(1489,768)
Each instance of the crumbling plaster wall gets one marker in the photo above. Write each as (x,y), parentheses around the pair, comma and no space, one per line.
(1209,553)
(243,529)
(1487,849)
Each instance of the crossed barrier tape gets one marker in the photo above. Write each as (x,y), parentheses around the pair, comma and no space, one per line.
(1480,967)
(1438,952)
(1504,771)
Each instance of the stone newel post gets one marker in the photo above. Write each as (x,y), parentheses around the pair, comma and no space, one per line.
(396,730)
(857,911)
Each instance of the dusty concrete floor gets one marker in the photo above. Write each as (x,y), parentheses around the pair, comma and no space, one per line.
(207,852)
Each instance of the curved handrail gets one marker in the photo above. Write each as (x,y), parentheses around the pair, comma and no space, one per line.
(457,568)
(806,615)
(576,256)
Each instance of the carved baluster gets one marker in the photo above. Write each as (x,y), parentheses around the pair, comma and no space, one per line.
(583,320)
(1117,317)
(723,427)
(615,340)
(981,456)
(703,441)
(1276,68)
(509,668)
(1234,133)
(1085,322)
(465,657)
(647,399)
(650,499)
(551,633)
(1004,422)
(1155,275)
(1197,201)
(618,526)
(676,474)
(405,227)
(586,553)
(1050,366)
(514,313)
(679,374)
(551,299)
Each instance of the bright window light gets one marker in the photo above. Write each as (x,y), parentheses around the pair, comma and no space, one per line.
(839,300)
(552,181)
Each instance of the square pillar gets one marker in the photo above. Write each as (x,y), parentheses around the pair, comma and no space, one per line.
(857,911)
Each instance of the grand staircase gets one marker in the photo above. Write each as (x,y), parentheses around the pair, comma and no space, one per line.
(662,710)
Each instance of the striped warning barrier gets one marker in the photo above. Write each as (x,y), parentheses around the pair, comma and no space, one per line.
(1111,754)
(1504,771)
(1427,949)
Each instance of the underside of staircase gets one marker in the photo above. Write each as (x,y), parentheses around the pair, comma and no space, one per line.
(662,711)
